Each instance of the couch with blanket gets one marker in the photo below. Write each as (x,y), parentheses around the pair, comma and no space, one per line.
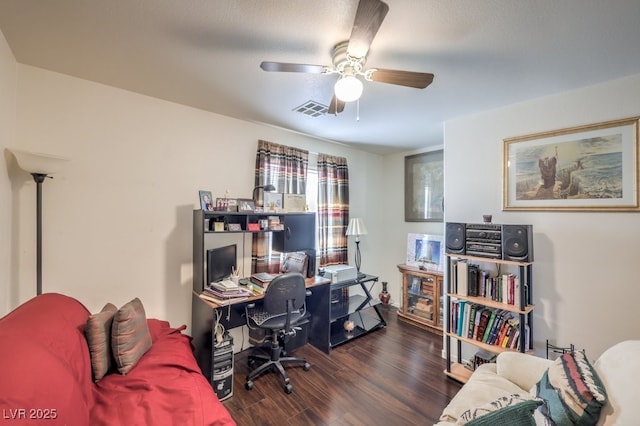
(525,389)
(48,372)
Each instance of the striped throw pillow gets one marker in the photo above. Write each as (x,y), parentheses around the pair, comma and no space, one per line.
(572,390)
(98,333)
(130,337)
(514,410)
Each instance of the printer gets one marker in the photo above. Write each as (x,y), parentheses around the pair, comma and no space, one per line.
(339,273)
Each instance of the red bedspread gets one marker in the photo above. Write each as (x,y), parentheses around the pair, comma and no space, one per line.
(45,374)
(165,388)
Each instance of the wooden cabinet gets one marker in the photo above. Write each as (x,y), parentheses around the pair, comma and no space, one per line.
(505,297)
(421,298)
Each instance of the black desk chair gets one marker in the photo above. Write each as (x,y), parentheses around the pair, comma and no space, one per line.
(282,308)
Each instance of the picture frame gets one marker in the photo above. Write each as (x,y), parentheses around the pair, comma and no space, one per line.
(272,201)
(425,251)
(294,202)
(226,205)
(206,200)
(234,227)
(246,205)
(424,187)
(585,168)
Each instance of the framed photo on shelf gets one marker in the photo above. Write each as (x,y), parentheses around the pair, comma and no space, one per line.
(246,205)
(425,252)
(206,202)
(226,205)
(235,227)
(272,201)
(294,202)
(586,168)
(424,187)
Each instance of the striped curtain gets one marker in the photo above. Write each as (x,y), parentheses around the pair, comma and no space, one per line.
(285,168)
(282,166)
(333,209)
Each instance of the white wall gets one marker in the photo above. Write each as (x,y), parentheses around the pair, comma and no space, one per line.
(586,285)
(395,229)
(118,217)
(8,76)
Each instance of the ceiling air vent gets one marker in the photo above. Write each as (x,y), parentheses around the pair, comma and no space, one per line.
(312,109)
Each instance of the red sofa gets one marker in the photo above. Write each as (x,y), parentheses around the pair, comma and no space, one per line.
(45,374)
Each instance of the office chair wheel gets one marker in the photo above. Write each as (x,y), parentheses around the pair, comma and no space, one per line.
(249,385)
(288,388)
(306,366)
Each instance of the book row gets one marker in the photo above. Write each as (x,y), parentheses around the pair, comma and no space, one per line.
(487,325)
(469,280)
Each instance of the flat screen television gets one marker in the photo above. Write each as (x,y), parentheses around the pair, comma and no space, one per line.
(220,262)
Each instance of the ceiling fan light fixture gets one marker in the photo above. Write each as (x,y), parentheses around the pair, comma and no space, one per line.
(348,88)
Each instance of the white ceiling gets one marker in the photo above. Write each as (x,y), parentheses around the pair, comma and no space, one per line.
(206,54)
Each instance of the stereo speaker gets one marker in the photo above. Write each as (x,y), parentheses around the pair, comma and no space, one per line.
(455,238)
(517,243)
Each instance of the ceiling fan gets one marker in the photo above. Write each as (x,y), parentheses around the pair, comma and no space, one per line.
(349,58)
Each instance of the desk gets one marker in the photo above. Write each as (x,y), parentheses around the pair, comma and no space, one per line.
(232,316)
(330,305)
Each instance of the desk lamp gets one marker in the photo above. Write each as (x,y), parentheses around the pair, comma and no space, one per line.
(40,166)
(267,188)
(356,228)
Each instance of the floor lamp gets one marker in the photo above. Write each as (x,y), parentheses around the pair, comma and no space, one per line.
(356,228)
(40,166)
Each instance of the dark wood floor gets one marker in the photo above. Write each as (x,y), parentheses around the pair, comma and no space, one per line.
(391,376)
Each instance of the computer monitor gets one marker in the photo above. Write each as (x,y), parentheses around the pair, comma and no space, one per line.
(220,262)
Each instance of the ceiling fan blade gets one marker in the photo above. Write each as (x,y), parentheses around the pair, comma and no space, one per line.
(285,67)
(369,17)
(336,106)
(419,80)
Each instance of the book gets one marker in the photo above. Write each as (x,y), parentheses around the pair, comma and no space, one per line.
(482,326)
(226,294)
(483,357)
(463,277)
(487,331)
(497,324)
(262,278)
(476,324)
(221,301)
(254,288)
(461,308)
(225,285)
(465,324)
(473,274)
(472,320)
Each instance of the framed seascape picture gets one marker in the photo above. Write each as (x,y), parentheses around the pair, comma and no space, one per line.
(206,202)
(586,168)
(424,187)
(425,251)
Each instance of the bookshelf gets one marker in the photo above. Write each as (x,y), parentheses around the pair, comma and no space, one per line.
(503,297)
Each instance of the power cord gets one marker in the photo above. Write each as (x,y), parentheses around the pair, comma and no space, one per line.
(218,328)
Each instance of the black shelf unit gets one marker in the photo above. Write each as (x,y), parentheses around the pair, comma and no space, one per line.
(298,233)
(362,309)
